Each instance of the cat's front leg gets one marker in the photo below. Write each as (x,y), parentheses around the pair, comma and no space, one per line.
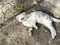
(35,27)
(30,31)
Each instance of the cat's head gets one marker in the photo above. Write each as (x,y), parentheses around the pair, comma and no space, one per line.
(20,17)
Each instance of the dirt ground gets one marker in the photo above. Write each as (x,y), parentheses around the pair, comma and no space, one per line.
(16,34)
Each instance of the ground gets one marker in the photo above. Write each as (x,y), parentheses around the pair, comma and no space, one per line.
(14,33)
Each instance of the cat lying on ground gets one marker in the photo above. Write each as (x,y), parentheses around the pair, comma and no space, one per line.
(31,19)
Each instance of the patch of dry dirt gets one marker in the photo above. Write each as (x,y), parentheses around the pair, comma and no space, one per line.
(16,34)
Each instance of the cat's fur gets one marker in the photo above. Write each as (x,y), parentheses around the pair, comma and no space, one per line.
(31,19)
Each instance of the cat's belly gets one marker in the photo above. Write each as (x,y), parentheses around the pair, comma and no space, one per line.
(27,24)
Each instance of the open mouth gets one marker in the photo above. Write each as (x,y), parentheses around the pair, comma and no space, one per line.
(23,19)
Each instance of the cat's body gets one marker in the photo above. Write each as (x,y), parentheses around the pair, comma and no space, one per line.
(37,17)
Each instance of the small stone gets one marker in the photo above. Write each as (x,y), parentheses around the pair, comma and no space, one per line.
(1,20)
(0,10)
(1,14)
(12,2)
(9,14)
(1,6)
(6,7)
(12,10)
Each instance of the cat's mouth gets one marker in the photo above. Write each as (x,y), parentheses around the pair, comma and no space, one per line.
(23,19)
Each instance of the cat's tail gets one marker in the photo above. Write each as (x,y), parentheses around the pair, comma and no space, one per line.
(56,20)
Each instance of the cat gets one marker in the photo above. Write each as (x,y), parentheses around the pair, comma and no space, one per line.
(31,19)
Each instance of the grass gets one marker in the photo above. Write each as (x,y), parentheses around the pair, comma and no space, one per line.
(41,29)
(21,8)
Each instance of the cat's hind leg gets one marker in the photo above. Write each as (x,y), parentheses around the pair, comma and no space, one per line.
(52,30)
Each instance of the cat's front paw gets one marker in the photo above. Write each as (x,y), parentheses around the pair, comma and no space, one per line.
(36,27)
